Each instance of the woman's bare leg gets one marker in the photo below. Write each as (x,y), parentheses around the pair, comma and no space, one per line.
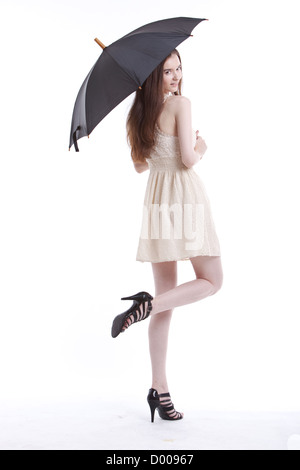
(209,278)
(168,295)
(165,279)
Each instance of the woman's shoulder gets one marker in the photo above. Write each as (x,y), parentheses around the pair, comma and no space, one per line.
(179,102)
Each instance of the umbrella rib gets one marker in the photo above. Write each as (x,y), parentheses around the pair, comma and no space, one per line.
(105,51)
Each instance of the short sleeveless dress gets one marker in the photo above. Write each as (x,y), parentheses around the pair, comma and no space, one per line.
(177,222)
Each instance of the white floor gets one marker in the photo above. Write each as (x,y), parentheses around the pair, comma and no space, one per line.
(93,424)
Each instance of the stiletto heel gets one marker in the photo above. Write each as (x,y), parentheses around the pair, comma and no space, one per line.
(165,406)
(153,402)
(134,297)
(134,313)
(153,405)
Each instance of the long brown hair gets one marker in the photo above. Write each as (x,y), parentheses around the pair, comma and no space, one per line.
(145,111)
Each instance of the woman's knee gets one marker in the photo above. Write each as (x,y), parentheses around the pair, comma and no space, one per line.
(209,268)
(217,284)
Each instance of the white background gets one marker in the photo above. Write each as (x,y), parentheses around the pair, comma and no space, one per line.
(70,221)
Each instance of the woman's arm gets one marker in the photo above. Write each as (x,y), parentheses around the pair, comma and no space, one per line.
(140,167)
(190,155)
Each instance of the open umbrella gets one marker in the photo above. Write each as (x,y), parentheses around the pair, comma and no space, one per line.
(122,68)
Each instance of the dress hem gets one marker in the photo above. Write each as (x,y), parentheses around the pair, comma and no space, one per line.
(176,259)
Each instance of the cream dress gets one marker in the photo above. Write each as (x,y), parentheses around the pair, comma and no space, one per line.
(177,223)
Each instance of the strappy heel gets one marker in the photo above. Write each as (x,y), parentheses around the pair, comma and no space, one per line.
(134,314)
(165,407)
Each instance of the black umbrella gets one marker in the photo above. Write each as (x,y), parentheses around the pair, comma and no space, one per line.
(122,68)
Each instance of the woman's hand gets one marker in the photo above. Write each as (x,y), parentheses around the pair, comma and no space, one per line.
(200,146)
(140,167)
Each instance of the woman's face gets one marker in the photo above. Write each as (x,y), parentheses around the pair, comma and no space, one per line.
(172,74)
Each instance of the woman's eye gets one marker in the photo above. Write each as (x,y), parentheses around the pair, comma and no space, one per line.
(167,72)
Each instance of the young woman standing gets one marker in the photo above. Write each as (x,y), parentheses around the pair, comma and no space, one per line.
(177,221)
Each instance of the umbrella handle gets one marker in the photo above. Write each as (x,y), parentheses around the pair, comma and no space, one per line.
(75,138)
(100,43)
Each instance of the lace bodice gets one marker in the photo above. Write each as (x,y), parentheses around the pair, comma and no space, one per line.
(166,154)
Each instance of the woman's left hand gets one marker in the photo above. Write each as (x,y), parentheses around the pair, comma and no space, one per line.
(200,146)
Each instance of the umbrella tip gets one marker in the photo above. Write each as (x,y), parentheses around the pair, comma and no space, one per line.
(100,43)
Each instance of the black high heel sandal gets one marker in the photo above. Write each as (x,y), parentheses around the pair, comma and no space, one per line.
(165,407)
(134,313)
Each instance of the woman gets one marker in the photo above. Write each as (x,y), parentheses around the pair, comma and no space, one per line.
(177,222)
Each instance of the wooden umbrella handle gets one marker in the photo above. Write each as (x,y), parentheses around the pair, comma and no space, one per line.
(100,43)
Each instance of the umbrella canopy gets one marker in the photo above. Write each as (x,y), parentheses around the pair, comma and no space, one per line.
(122,68)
